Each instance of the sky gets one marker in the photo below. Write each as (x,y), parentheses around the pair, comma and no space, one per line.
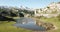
(27,3)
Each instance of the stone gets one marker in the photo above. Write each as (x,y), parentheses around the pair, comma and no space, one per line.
(48,26)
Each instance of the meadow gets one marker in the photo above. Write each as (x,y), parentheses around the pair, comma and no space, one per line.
(9,26)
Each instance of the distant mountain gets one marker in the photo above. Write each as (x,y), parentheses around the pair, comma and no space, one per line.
(53,8)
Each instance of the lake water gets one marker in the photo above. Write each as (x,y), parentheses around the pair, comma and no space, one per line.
(28,23)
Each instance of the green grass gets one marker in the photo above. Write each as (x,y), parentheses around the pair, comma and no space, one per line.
(8,27)
(55,21)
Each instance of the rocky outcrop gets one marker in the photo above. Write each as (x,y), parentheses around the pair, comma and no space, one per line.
(21,14)
(48,26)
(52,10)
(3,18)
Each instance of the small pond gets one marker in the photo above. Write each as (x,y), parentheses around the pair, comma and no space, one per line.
(28,23)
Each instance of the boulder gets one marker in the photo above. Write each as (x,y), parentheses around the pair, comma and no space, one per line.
(48,26)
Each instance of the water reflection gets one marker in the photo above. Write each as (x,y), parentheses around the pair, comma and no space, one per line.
(28,23)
